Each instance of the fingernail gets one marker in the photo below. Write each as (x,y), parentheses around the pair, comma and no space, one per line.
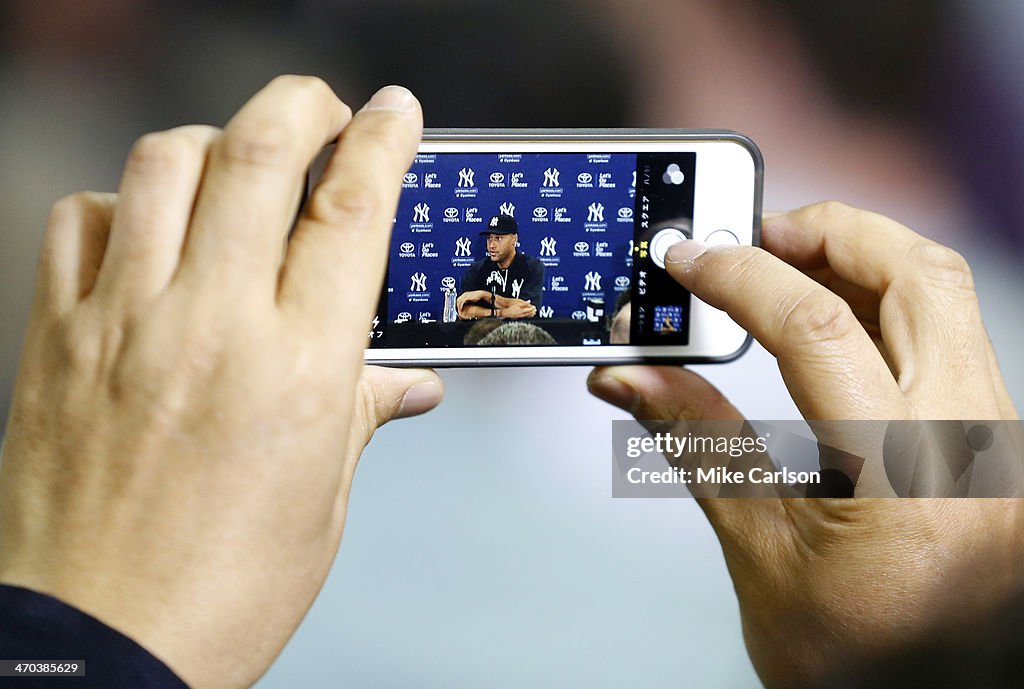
(685,251)
(614,391)
(420,398)
(395,98)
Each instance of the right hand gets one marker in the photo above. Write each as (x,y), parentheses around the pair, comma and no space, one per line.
(868,320)
(465,302)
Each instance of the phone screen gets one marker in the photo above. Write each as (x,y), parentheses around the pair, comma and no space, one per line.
(536,248)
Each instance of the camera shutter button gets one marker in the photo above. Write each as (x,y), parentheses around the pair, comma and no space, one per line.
(661,241)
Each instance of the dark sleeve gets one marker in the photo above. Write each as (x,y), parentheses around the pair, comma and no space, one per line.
(471,280)
(533,290)
(37,627)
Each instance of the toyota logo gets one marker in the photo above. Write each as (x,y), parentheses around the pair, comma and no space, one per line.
(410,178)
(622,281)
(585,178)
(582,247)
(540,212)
(407,247)
(449,282)
(451,213)
(579,315)
(497,177)
(625,212)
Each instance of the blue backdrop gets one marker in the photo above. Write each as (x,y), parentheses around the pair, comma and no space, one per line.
(574,210)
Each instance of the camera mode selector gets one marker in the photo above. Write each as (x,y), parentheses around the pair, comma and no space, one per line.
(661,241)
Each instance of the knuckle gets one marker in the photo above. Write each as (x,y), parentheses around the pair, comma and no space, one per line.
(256,143)
(345,110)
(69,208)
(89,348)
(83,211)
(834,213)
(938,263)
(304,83)
(833,208)
(351,202)
(316,94)
(743,263)
(817,317)
(377,404)
(161,153)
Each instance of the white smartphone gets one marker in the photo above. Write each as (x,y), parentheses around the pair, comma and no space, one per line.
(546,247)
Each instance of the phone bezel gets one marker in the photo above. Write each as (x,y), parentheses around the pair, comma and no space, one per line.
(585,354)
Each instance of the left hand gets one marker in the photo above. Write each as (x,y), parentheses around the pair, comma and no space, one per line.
(519,309)
(192,399)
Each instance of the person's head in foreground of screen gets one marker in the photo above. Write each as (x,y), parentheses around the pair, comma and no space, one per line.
(481,329)
(515,333)
(502,234)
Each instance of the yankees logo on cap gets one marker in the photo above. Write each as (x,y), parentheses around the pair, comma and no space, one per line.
(502,224)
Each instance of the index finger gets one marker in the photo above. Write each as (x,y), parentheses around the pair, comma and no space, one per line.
(335,261)
(828,361)
(929,312)
(252,182)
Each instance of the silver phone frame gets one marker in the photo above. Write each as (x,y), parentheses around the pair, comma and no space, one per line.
(500,358)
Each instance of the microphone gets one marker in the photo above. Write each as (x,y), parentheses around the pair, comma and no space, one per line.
(492,279)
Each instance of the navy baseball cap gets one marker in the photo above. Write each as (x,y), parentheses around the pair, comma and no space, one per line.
(502,224)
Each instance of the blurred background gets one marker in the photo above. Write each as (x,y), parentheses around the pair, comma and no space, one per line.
(474,556)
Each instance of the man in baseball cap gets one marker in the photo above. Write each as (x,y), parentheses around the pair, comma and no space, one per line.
(506,283)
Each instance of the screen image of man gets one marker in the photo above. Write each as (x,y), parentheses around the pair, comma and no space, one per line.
(506,283)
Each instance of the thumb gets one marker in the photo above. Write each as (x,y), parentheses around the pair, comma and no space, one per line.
(667,393)
(384,394)
(660,392)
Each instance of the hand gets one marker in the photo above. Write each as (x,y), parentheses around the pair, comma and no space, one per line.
(505,302)
(888,328)
(192,399)
(467,299)
(517,308)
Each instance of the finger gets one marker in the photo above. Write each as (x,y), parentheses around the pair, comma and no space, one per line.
(335,262)
(864,302)
(156,197)
(929,314)
(397,393)
(666,393)
(660,392)
(813,237)
(72,250)
(253,181)
(830,365)
(384,394)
